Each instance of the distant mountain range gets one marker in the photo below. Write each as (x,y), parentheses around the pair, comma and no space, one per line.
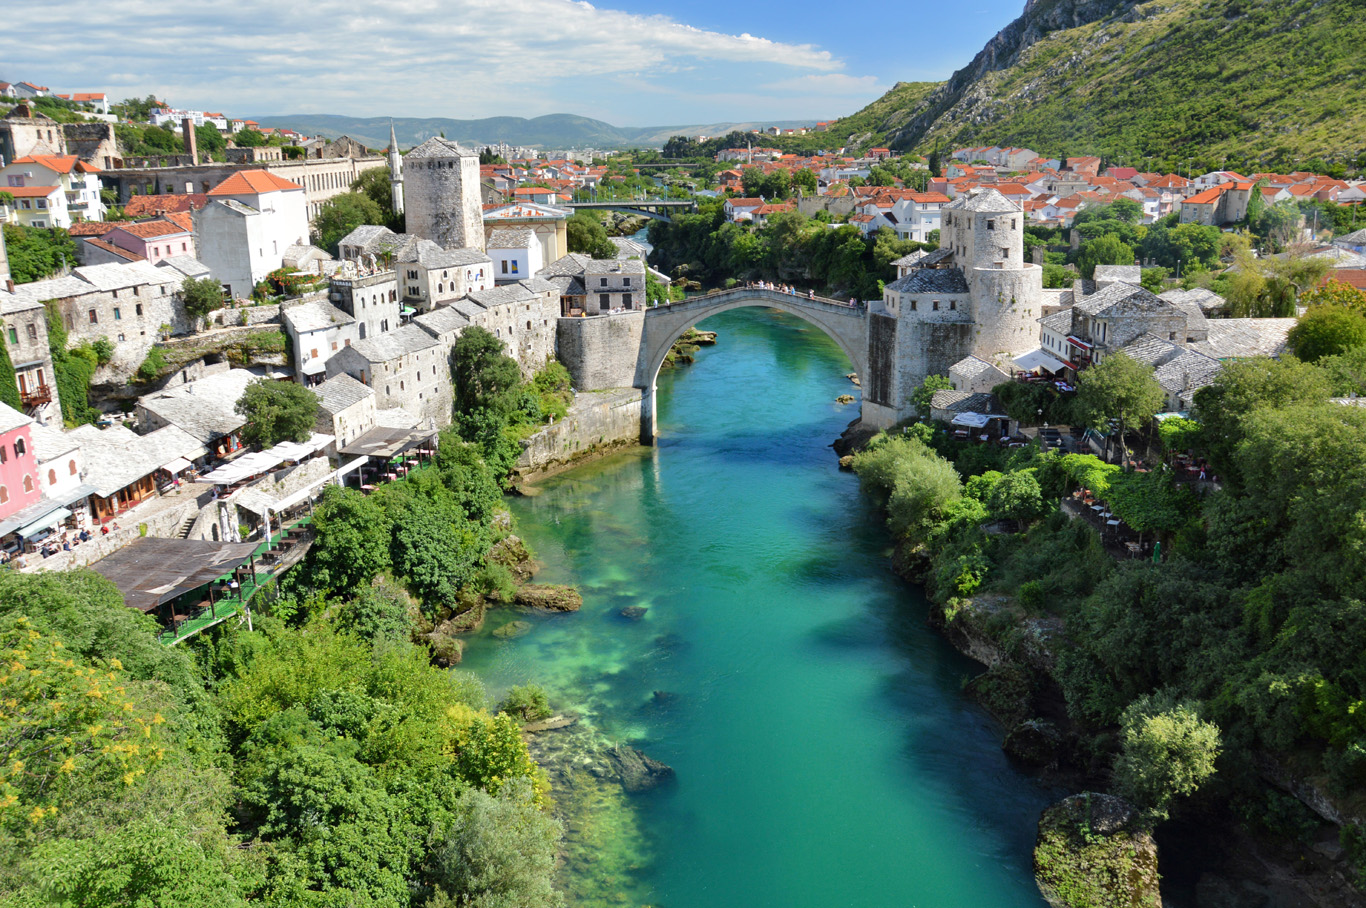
(550,131)
(1273,81)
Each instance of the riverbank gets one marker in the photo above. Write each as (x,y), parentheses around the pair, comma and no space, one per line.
(1224,848)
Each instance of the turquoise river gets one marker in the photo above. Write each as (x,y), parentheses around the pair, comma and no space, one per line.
(825,753)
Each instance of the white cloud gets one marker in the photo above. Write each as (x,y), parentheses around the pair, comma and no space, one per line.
(458,58)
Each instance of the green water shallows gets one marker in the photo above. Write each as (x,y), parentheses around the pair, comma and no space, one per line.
(826,755)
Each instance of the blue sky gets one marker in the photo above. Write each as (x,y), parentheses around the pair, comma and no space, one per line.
(631,63)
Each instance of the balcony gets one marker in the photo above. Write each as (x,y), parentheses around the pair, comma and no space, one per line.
(36,396)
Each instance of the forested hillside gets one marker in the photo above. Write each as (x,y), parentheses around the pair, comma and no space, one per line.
(1220,80)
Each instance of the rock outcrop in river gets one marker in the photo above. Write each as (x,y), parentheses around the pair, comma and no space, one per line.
(1092,852)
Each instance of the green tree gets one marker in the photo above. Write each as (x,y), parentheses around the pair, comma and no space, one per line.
(500,853)
(1153,279)
(276,411)
(201,296)
(1334,293)
(36,252)
(587,235)
(210,141)
(249,138)
(752,181)
(1106,249)
(436,550)
(485,376)
(342,214)
(1120,390)
(375,185)
(805,180)
(923,395)
(1018,497)
(9,386)
(1166,752)
(352,540)
(528,702)
(776,185)
(1327,330)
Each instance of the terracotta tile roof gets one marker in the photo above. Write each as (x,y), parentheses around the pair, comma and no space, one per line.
(1353,277)
(93,228)
(745,203)
(1209,195)
(182,219)
(141,206)
(252,182)
(30,192)
(88,96)
(124,254)
(58,163)
(149,229)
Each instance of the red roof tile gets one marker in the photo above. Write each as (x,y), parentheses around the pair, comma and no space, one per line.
(252,182)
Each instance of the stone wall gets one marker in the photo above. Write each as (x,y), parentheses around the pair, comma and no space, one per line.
(92,142)
(1007,304)
(597,422)
(527,329)
(928,348)
(602,351)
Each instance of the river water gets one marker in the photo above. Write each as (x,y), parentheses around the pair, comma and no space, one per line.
(825,753)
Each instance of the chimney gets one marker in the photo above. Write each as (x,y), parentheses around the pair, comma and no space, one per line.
(191,140)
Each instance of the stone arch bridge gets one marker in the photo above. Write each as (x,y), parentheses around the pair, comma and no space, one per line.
(627,349)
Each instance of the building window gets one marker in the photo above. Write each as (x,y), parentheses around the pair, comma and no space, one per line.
(602,282)
(334,346)
(991,224)
(120,338)
(94,317)
(116,294)
(514,266)
(936,305)
(118,316)
(912,305)
(953,304)
(52,477)
(605,300)
(627,282)
(313,354)
(4,495)
(505,266)
(137,310)
(13,336)
(72,467)
(28,483)
(137,291)
(625,301)
(19,447)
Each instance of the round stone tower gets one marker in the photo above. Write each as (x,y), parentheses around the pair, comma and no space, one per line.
(1007,293)
(441,195)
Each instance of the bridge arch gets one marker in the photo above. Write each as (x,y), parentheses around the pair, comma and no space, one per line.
(846,325)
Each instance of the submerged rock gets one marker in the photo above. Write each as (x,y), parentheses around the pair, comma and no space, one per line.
(637,771)
(1092,852)
(634,612)
(554,723)
(549,596)
(513,629)
(447,649)
(1035,742)
(845,399)
(847,462)
(467,621)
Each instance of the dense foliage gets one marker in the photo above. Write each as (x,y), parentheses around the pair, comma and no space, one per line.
(322,760)
(789,248)
(36,252)
(1244,643)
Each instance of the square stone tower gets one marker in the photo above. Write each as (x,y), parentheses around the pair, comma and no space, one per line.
(441,196)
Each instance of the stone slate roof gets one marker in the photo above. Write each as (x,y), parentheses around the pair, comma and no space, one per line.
(512,238)
(1130,274)
(539,285)
(942,254)
(315,315)
(49,442)
(910,259)
(115,457)
(500,296)
(1187,372)
(1121,298)
(186,265)
(971,365)
(445,320)
(931,280)
(966,402)
(437,147)
(986,201)
(1060,321)
(466,308)
(1237,337)
(570,265)
(11,418)
(566,285)
(384,347)
(1151,350)
(1206,300)
(204,409)
(340,392)
(614,266)
(1355,238)
(365,235)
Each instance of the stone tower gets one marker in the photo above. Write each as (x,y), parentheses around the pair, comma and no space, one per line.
(395,171)
(441,195)
(1007,293)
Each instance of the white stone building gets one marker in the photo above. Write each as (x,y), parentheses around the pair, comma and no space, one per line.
(52,190)
(407,368)
(244,232)
(516,254)
(317,330)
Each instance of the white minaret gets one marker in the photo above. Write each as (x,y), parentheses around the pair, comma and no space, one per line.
(395,171)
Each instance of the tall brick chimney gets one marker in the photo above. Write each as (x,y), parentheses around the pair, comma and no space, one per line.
(191,140)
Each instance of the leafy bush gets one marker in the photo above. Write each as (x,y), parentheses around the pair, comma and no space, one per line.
(1166,752)
(528,702)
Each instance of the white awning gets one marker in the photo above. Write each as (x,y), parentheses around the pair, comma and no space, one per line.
(971,420)
(45,523)
(1037,359)
(315,366)
(179,465)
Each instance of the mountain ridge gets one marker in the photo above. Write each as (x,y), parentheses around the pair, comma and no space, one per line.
(549,130)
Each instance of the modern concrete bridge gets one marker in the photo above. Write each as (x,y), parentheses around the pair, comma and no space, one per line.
(847,326)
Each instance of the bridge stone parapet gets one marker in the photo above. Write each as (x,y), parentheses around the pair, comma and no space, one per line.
(845,324)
